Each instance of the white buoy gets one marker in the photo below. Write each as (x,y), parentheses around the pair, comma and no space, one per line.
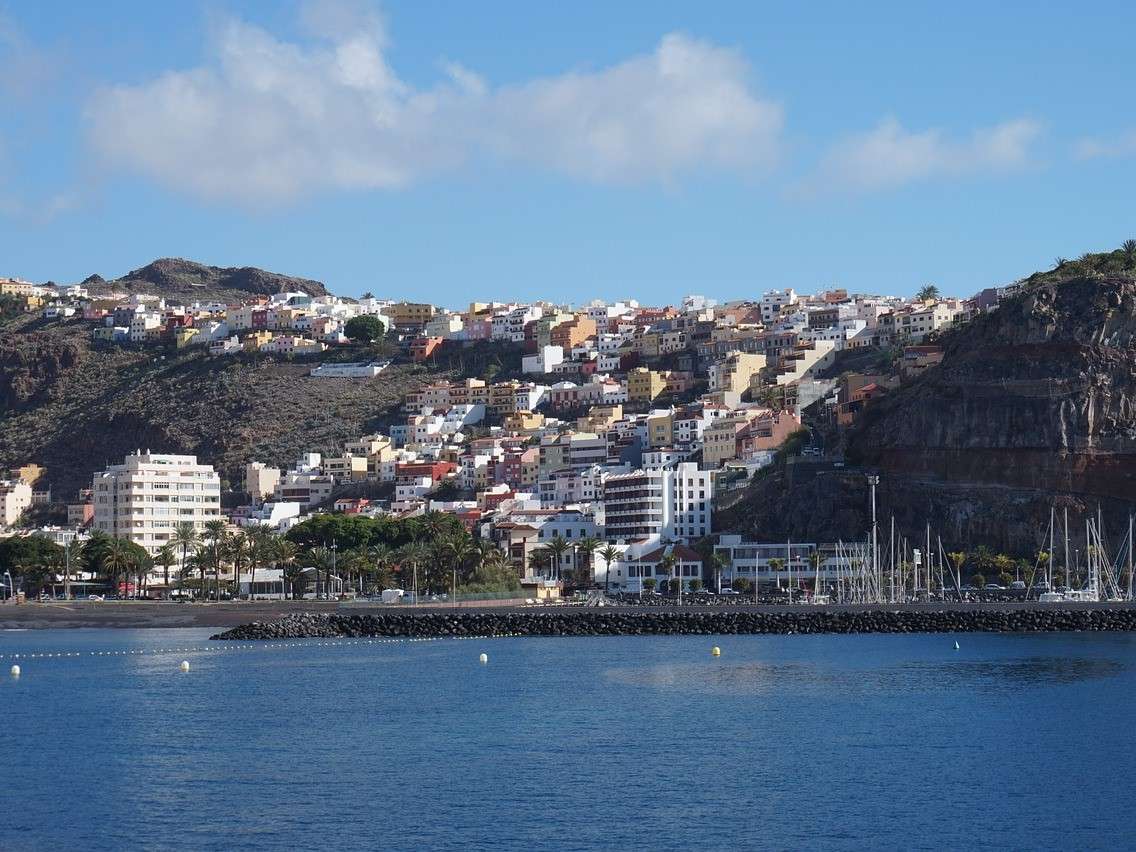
(184,665)
(715,651)
(956,645)
(15,671)
(484,658)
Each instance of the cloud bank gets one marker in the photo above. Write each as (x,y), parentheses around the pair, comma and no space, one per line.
(891,156)
(264,121)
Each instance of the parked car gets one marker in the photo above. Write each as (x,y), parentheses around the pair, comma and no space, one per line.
(993,587)
(1018,584)
(96,598)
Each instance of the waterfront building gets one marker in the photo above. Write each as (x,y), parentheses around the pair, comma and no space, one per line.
(675,503)
(149,494)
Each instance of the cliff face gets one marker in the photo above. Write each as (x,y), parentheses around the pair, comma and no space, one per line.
(1033,404)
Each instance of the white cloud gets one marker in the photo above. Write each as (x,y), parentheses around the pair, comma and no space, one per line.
(266,120)
(1123,145)
(890,156)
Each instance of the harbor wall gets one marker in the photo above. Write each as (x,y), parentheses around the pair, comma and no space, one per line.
(600,622)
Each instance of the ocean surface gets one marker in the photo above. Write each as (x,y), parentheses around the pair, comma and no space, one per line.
(783,742)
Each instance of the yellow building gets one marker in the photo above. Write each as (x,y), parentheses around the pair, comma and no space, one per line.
(503,397)
(734,372)
(254,341)
(470,392)
(645,385)
(184,336)
(28,473)
(720,441)
(524,421)
(410,313)
(599,418)
(660,429)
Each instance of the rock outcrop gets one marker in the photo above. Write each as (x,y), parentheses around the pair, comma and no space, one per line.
(1034,404)
(186,278)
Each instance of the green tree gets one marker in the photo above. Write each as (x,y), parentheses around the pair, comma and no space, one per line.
(928,293)
(696,585)
(649,584)
(584,574)
(609,554)
(556,548)
(1129,249)
(978,581)
(215,531)
(668,563)
(167,558)
(186,538)
(284,557)
(741,585)
(365,329)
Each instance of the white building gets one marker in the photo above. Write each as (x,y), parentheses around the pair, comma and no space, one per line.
(672,503)
(544,360)
(15,499)
(149,494)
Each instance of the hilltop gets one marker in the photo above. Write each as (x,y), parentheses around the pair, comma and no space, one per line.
(1033,402)
(186,279)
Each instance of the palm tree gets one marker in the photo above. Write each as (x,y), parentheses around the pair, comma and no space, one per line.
(461,549)
(718,562)
(116,559)
(238,549)
(556,550)
(378,561)
(166,558)
(609,554)
(1129,249)
(586,546)
(412,554)
(667,563)
(258,549)
(215,530)
(187,538)
(927,293)
(284,555)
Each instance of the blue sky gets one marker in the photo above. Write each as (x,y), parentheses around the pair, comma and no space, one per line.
(452,151)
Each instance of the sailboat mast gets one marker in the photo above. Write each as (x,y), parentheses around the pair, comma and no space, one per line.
(1049,561)
(1130,543)
(1068,568)
(927,556)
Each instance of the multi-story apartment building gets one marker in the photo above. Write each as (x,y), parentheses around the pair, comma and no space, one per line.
(15,499)
(149,494)
(670,503)
(733,372)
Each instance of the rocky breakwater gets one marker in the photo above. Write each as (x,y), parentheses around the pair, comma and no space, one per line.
(588,622)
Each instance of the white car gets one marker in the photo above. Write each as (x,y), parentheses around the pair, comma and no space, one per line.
(95,598)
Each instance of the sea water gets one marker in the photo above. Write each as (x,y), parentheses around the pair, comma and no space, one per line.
(782,742)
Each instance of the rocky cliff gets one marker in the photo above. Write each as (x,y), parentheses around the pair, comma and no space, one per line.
(1033,404)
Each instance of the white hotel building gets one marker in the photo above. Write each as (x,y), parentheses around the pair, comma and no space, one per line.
(147,496)
(673,503)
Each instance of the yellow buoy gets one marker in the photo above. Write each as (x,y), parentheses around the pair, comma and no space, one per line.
(184,665)
(484,658)
(715,651)
(15,671)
